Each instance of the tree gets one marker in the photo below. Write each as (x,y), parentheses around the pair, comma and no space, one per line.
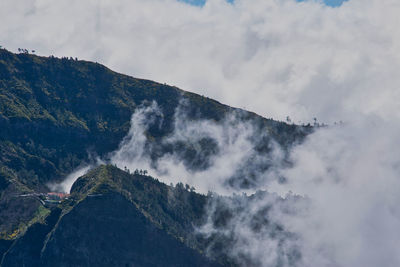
(179,186)
(315,122)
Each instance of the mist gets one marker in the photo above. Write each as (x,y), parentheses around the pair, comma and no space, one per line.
(211,156)
(351,176)
(66,184)
(336,193)
(335,204)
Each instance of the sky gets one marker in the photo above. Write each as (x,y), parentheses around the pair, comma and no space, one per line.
(198,2)
(277,58)
(333,3)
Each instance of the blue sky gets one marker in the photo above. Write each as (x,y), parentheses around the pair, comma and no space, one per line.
(333,3)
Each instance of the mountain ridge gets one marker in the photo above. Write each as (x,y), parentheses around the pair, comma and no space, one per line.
(100,198)
(57,115)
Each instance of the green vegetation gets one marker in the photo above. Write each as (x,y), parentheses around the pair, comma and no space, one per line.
(174,209)
(53,111)
(108,198)
(39,217)
(119,211)
(55,114)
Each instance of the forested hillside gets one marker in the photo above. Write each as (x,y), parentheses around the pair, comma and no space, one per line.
(57,114)
(114,218)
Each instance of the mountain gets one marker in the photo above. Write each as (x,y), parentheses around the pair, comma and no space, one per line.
(115,219)
(54,111)
(58,114)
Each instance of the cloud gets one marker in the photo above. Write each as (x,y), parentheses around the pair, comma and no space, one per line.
(351,174)
(337,206)
(249,230)
(277,58)
(66,184)
(224,157)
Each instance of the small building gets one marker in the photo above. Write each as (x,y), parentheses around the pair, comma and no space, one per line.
(56,196)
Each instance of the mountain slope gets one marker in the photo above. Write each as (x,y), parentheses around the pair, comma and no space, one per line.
(58,114)
(106,224)
(114,218)
(54,111)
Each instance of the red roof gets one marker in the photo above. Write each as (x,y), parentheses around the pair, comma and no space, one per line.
(56,194)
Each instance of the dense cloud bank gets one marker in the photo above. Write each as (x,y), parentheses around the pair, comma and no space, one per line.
(276,57)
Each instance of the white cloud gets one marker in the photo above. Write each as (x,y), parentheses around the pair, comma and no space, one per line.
(347,174)
(65,186)
(230,151)
(275,57)
(351,174)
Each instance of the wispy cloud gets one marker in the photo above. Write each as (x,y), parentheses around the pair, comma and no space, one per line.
(337,202)
(277,58)
(212,156)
